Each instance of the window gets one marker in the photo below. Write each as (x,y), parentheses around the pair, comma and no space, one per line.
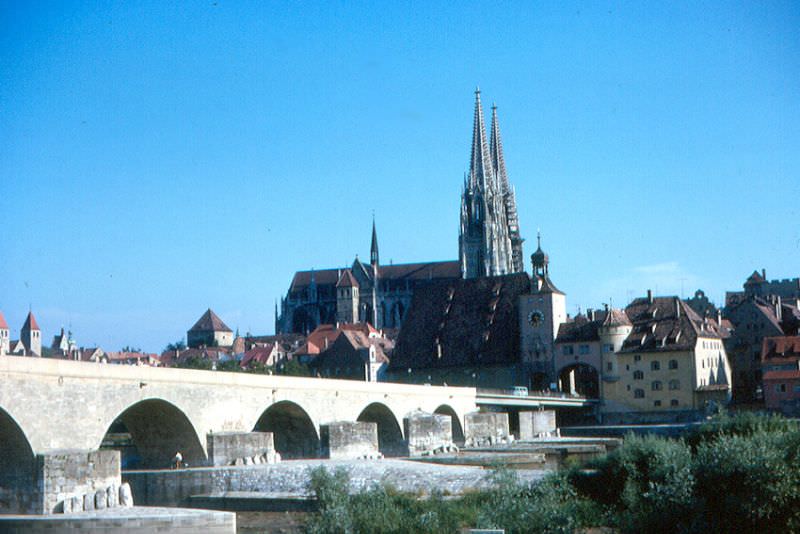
(637,358)
(608,348)
(797,388)
(638,375)
(655,365)
(780,388)
(567,350)
(639,394)
(674,385)
(629,387)
(583,349)
(627,367)
(673,364)
(657,403)
(655,385)
(609,366)
(673,402)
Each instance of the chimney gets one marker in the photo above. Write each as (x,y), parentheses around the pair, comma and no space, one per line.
(778,308)
(678,308)
(764,274)
(719,317)
(650,296)
(590,314)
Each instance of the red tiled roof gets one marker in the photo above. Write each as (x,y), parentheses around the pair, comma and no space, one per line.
(257,354)
(782,375)
(210,322)
(784,347)
(30,323)
(3,323)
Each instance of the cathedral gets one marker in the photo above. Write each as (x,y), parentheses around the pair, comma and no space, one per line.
(489,244)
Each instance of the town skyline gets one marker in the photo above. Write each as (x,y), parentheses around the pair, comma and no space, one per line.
(141,197)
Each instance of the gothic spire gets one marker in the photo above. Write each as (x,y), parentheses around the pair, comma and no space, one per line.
(480,163)
(373,251)
(509,196)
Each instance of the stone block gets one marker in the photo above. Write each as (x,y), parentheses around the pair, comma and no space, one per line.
(125,495)
(484,429)
(76,504)
(88,502)
(112,496)
(347,440)
(224,448)
(427,432)
(100,499)
(537,424)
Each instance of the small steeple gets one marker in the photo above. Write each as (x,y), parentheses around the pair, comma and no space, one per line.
(373,251)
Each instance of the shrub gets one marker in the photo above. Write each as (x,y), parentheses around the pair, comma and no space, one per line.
(740,424)
(748,483)
(647,482)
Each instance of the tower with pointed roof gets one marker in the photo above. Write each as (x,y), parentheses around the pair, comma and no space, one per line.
(209,331)
(31,336)
(489,241)
(5,340)
(347,298)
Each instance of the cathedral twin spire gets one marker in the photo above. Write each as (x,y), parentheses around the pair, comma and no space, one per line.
(489,239)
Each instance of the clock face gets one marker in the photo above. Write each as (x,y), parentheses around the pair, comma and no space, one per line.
(536,318)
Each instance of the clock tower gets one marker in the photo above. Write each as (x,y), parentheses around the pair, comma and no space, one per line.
(541,312)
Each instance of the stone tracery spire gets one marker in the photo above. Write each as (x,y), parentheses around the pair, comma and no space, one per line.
(508,193)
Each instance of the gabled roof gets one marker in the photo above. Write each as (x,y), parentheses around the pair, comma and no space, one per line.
(210,322)
(347,279)
(462,322)
(3,323)
(666,324)
(30,322)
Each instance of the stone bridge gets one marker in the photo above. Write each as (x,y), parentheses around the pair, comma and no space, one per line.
(48,405)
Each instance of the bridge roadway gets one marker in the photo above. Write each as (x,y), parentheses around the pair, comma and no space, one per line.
(501,399)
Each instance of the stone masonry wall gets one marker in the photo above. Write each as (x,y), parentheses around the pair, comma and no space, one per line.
(427,432)
(486,428)
(345,440)
(536,424)
(229,448)
(63,476)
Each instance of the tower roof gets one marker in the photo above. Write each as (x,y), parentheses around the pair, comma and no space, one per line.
(210,322)
(539,258)
(347,279)
(480,162)
(373,250)
(30,322)
(3,323)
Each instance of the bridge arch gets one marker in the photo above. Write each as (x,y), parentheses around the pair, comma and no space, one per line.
(455,421)
(293,431)
(158,429)
(390,433)
(16,464)
(580,378)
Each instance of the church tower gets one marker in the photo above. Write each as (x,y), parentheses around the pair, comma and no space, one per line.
(486,236)
(31,336)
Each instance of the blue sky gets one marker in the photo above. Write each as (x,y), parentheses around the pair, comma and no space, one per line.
(160,158)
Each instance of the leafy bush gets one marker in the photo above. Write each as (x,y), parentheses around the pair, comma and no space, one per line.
(748,483)
(647,482)
(740,424)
